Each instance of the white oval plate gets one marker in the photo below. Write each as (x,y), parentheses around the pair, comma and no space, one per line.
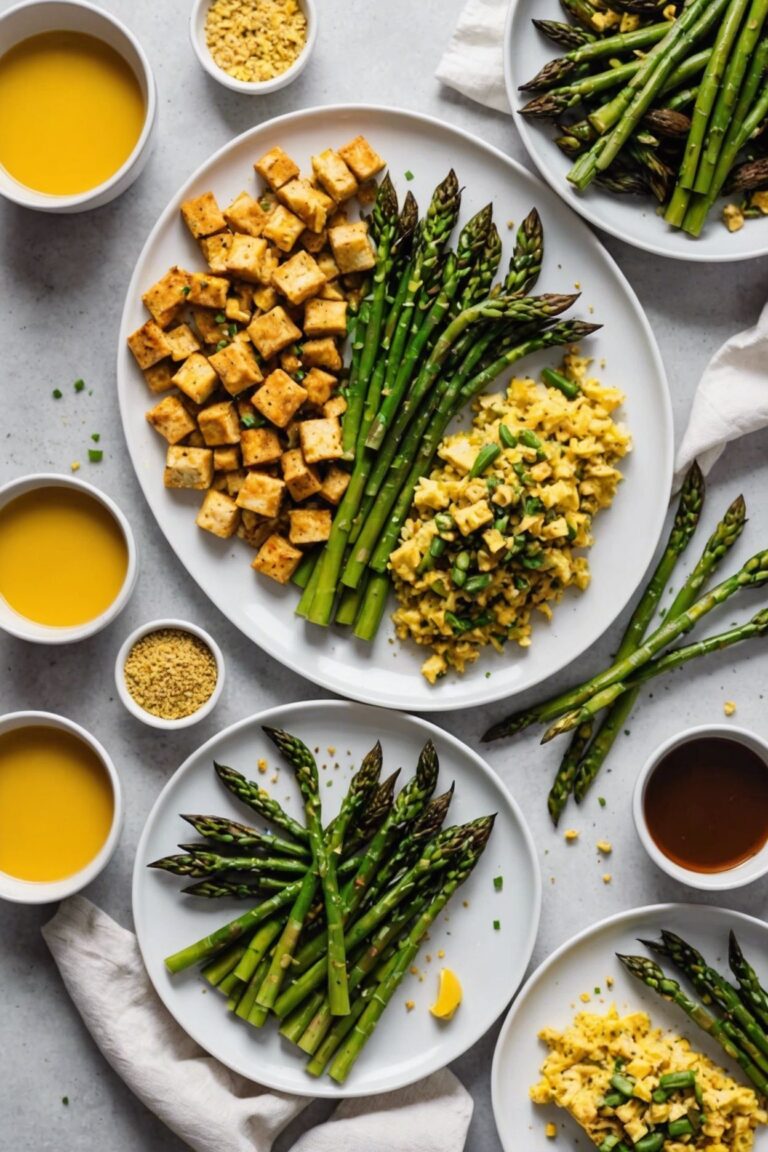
(406,1045)
(551,998)
(388,673)
(629,218)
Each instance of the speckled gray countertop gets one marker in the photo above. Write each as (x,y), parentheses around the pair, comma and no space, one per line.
(62,289)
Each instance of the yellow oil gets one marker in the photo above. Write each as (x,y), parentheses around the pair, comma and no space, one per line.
(71,112)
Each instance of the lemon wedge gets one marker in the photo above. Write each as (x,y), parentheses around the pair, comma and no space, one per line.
(448,995)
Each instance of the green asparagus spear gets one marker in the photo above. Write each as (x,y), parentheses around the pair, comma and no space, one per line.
(229,833)
(752,992)
(257,798)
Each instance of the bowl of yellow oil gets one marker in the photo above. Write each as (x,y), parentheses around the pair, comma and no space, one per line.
(78,106)
(68,562)
(61,807)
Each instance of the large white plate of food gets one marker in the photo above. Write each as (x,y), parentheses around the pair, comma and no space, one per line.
(646,123)
(648,1031)
(434,899)
(264,438)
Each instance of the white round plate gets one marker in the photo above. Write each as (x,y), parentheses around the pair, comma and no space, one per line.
(629,218)
(551,999)
(490,963)
(388,673)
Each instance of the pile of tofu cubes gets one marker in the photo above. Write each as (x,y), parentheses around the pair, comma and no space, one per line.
(248,353)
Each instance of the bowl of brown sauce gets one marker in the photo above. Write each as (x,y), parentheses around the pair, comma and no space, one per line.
(701,807)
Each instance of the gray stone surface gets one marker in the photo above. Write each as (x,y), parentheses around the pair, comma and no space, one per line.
(62,288)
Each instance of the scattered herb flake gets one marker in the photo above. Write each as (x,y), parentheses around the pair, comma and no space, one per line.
(95,436)
(601,801)
(221,344)
(597,990)
(498,883)
(79,385)
(496,925)
(57,393)
(248,421)
(65,1101)
(185,291)
(95,455)
(408,174)
(220,318)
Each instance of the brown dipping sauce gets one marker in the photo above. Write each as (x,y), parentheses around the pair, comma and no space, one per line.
(706,804)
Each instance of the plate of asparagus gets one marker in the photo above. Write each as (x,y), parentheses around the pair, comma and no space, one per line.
(348,863)
(648,117)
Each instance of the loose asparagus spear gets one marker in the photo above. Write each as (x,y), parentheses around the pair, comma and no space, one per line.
(199,863)
(562,785)
(564,35)
(527,257)
(229,833)
(752,992)
(257,798)
(556,71)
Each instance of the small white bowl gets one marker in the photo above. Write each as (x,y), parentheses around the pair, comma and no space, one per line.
(36,16)
(250,87)
(48,891)
(25,629)
(148,717)
(745,873)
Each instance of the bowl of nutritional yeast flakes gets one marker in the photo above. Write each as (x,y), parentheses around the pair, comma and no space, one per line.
(253,46)
(169,673)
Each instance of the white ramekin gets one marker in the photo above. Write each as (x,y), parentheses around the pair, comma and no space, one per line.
(158,721)
(48,891)
(250,87)
(36,16)
(17,625)
(744,873)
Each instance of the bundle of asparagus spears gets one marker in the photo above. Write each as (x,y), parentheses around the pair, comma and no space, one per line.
(338,913)
(672,108)
(741,1026)
(432,333)
(640,657)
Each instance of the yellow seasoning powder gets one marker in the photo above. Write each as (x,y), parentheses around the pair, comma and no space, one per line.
(255,40)
(170,673)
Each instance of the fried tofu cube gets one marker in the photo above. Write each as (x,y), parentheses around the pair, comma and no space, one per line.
(226,459)
(195,439)
(335,484)
(215,250)
(329,269)
(277,559)
(302,480)
(334,175)
(336,406)
(321,353)
(261,493)
(149,344)
(265,298)
(209,330)
(246,257)
(308,203)
(325,318)
(260,446)
(187,467)
(239,305)
(171,419)
(331,292)
(219,514)
(352,250)
(321,439)
(283,228)
(246,215)
(279,398)
(203,216)
(208,291)
(309,525)
(236,367)
(273,332)
(159,377)
(290,362)
(298,278)
(219,424)
(196,378)
(235,479)
(319,386)
(276,168)
(164,298)
(314,241)
(361,158)
(183,342)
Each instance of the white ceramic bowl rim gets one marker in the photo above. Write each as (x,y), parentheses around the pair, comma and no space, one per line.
(25,629)
(251,87)
(32,197)
(744,873)
(48,891)
(135,708)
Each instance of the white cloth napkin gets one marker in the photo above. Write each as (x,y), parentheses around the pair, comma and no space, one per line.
(209,1107)
(473,63)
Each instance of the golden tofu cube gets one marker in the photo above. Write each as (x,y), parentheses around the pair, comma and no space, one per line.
(149,344)
(352,250)
(246,257)
(215,250)
(187,467)
(331,292)
(239,303)
(261,493)
(219,424)
(219,514)
(236,366)
(321,353)
(246,215)
(319,386)
(227,458)
(260,446)
(209,330)
(314,241)
(183,341)
(330,270)
(334,175)
(277,559)
(235,479)
(171,419)
(196,378)
(195,439)
(208,291)
(309,525)
(325,318)
(159,377)
(335,484)
(273,332)
(290,362)
(336,406)
(298,278)
(265,298)
(164,299)
(361,158)
(283,228)
(321,439)
(276,168)
(279,398)
(301,479)
(203,216)
(309,204)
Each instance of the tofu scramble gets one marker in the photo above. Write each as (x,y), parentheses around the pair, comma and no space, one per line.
(255,40)
(497,528)
(597,1055)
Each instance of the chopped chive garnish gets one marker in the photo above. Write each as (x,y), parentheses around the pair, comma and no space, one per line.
(601,801)
(95,436)
(220,318)
(57,393)
(248,420)
(185,291)
(95,455)
(498,883)
(409,174)
(79,385)
(496,925)
(221,344)
(232,329)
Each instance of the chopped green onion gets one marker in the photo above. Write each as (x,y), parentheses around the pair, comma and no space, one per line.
(458,576)
(498,883)
(248,420)
(501,523)
(185,291)
(408,174)
(556,380)
(95,455)
(438,587)
(79,385)
(496,925)
(532,562)
(232,329)
(507,436)
(601,801)
(444,522)
(222,344)
(220,318)
(57,393)
(299,376)
(609,1143)
(484,459)
(522,584)
(95,437)
(463,561)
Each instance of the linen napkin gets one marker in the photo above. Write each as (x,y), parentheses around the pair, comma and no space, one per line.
(209,1107)
(473,62)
